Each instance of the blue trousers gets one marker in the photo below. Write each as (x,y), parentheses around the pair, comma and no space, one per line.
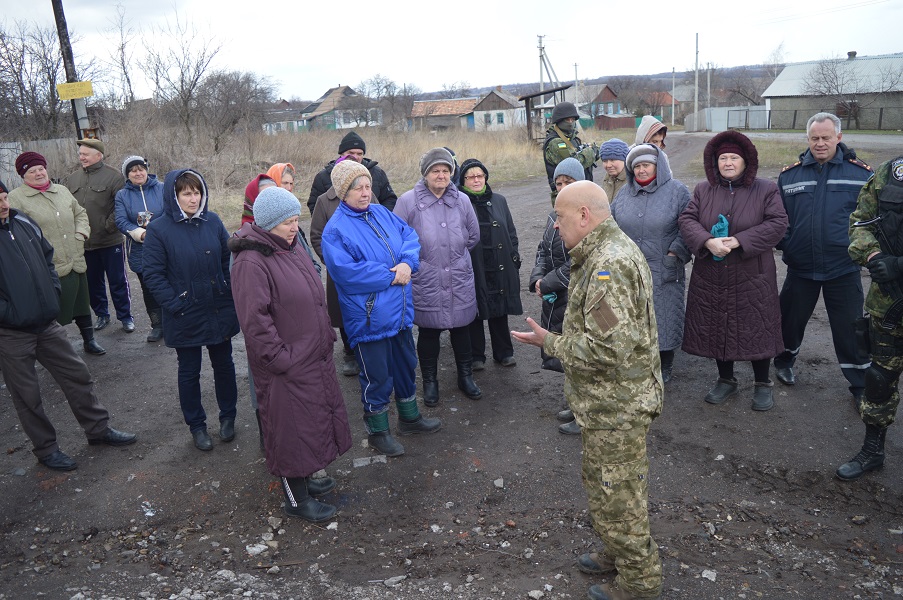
(387,365)
(190,383)
(108,264)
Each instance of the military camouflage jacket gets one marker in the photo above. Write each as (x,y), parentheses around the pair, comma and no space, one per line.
(886,187)
(609,342)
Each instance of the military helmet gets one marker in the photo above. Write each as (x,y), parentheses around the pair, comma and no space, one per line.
(564,110)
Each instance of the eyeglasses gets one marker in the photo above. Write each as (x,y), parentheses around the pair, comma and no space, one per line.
(475,177)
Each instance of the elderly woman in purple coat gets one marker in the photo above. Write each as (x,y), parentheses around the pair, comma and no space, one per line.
(281,306)
(444,293)
(731,226)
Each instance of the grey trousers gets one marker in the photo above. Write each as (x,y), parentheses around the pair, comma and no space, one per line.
(18,352)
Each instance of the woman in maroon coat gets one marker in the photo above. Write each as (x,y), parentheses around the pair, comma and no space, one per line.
(281,306)
(732,224)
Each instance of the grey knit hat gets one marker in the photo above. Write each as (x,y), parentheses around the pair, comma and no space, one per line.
(132,161)
(642,153)
(273,206)
(436,156)
(344,173)
(613,149)
(570,167)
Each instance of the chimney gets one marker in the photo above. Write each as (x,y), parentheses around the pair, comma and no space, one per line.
(851,55)
(498,88)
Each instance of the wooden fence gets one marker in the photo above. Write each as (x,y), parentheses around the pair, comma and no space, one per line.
(61,155)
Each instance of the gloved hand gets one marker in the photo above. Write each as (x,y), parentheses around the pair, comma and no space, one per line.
(586,156)
(884,268)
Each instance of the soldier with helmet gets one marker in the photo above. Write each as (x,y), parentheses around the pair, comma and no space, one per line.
(562,142)
(876,242)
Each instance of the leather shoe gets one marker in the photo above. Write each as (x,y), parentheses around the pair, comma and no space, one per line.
(595,563)
(102,321)
(114,437)
(92,347)
(202,440)
(320,485)
(785,375)
(350,367)
(128,325)
(58,461)
(565,416)
(508,361)
(724,389)
(227,430)
(571,428)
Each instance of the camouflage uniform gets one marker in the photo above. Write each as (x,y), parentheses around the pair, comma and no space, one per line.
(609,350)
(559,146)
(884,189)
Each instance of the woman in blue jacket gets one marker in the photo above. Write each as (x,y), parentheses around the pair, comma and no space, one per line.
(370,254)
(137,204)
(186,267)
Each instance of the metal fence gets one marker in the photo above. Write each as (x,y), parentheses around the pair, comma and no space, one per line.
(888,118)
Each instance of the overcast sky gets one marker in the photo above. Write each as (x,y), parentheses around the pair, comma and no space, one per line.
(307,47)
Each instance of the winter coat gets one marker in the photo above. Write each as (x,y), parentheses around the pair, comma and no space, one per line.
(95,189)
(382,189)
(29,286)
(444,294)
(63,222)
(552,273)
(732,305)
(186,268)
(359,249)
(282,310)
(131,200)
(648,215)
(495,258)
(649,126)
(818,200)
(613,185)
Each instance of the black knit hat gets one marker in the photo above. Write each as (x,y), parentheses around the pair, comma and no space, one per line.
(351,141)
(471,163)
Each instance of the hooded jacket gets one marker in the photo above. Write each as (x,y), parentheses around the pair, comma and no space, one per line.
(359,249)
(732,305)
(252,190)
(282,310)
(382,189)
(29,286)
(95,189)
(649,126)
(186,268)
(131,200)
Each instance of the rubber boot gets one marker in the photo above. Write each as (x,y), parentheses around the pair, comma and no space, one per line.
(870,457)
(429,370)
(259,428)
(87,331)
(156,319)
(299,503)
(465,376)
(378,436)
(411,421)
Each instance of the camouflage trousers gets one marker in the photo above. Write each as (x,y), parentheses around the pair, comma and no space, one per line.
(615,475)
(886,353)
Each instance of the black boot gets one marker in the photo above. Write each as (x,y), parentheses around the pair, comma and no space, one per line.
(378,436)
(465,379)
(298,502)
(429,370)
(87,331)
(259,428)
(870,457)
(411,421)
(156,319)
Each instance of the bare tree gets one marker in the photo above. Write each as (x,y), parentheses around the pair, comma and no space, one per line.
(121,56)
(177,66)
(458,89)
(229,99)
(775,62)
(849,88)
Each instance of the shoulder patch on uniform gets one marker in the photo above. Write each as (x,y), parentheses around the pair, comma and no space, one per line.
(603,275)
(859,163)
(896,169)
(562,145)
(796,164)
(604,316)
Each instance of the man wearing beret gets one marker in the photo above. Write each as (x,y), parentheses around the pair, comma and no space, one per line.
(95,186)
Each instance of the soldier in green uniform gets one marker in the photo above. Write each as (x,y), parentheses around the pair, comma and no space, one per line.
(876,241)
(562,142)
(609,350)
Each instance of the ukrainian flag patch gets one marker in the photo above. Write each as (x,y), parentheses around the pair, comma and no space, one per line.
(603,275)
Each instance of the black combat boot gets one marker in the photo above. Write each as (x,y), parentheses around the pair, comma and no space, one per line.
(87,331)
(299,503)
(870,457)
(429,371)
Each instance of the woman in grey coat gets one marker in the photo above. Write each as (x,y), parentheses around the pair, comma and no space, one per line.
(646,209)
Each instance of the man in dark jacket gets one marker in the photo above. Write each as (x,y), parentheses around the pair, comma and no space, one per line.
(95,186)
(819,193)
(353,147)
(29,304)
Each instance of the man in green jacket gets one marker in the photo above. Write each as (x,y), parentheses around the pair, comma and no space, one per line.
(95,186)
(609,350)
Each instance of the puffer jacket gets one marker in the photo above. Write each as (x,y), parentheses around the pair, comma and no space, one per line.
(186,268)
(444,293)
(95,189)
(131,200)
(29,285)
(359,249)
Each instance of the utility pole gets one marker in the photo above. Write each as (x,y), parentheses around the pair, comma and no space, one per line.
(576,86)
(696,92)
(672,97)
(541,59)
(79,108)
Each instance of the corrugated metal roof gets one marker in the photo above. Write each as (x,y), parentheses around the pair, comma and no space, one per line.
(868,73)
(443,108)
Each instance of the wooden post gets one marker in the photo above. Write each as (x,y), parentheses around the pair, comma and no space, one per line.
(68,59)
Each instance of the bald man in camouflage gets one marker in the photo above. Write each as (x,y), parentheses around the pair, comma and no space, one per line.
(609,350)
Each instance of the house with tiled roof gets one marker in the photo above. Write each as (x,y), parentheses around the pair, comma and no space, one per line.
(436,115)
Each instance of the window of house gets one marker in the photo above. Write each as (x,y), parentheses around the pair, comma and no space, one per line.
(487,118)
(500,118)
(347,117)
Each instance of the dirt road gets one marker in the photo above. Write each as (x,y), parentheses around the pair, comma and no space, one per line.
(743,504)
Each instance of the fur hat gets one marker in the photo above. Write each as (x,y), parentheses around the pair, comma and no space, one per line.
(350,141)
(92,143)
(273,206)
(27,160)
(642,153)
(343,175)
(472,163)
(614,149)
(730,141)
(436,156)
(132,161)
(570,167)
